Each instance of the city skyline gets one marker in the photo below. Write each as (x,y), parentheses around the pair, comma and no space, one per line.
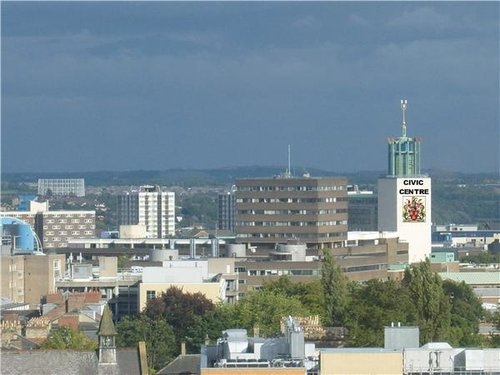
(95,86)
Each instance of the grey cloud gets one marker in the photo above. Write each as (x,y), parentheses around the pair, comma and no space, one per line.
(306,21)
(358,20)
(246,87)
(421,18)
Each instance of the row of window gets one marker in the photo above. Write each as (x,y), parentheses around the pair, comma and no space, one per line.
(307,272)
(64,221)
(292,188)
(293,212)
(371,267)
(52,244)
(65,233)
(68,226)
(154,217)
(290,223)
(56,227)
(284,272)
(280,236)
(292,200)
(68,215)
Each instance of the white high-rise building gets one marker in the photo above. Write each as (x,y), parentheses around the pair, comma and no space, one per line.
(404,196)
(150,207)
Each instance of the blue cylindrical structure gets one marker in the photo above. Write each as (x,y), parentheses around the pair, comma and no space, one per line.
(22,236)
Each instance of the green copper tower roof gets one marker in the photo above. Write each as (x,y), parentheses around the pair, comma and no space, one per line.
(106,326)
(404,152)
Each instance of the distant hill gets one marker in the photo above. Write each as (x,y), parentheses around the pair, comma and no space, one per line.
(226,176)
(179,177)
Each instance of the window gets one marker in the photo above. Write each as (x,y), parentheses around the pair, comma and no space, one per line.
(150,294)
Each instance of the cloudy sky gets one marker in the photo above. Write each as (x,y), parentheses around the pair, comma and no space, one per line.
(94,86)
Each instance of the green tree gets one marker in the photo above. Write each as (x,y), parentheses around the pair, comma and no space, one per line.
(199,209)
(374,306)
(309,293)
(67,338)
(210,325)
(484,257)
(123,261)
(494,340)
(466,314)
(180,310)
(432,306)
(265,309)
(156,333)
(335,290)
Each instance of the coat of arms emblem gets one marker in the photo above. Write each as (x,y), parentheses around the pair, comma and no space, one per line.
(413,209)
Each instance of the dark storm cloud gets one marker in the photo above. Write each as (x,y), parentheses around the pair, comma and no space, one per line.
(165,85)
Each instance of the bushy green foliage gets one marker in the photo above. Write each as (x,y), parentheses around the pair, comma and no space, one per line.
(466,313)
(455,202)
(199,209)
(310,294)
(67,338)
(265,309)
(184,312)
(335,290)
(485,257)
(432,306)
(156,333)
(372,307)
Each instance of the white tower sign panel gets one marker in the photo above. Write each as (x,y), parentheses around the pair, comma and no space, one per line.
(405,207)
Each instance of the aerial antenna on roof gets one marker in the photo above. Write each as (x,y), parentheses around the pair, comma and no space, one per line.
(404,107)
(289,170)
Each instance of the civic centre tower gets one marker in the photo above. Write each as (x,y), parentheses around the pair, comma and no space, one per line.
(404,195)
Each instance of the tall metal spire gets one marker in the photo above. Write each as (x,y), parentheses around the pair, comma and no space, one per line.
(404,106)
(404,151)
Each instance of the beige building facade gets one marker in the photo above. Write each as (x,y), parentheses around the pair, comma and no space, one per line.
(361,361)
(12,278)
(284,209)
(29,278)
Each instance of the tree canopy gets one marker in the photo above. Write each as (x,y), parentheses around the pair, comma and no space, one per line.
(156,333)
(265,309)
(67,338)
(372,307)
(335,292)
(181,310)
(432,306)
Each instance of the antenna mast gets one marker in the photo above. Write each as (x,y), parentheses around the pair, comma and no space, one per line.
(289,172)
(404,107)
